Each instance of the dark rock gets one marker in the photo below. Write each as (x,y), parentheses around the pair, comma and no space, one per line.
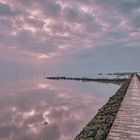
(100,135)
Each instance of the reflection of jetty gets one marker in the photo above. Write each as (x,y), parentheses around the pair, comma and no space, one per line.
(85,79)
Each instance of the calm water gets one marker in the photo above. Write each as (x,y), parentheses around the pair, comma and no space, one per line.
(33,108)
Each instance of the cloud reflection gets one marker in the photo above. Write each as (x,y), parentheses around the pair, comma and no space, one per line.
(65,111)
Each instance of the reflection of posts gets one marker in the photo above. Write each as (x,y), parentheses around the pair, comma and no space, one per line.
(17,75)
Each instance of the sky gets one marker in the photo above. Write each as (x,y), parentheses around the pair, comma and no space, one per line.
(70,35)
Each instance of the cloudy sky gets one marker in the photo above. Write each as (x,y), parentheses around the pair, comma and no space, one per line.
(70,35)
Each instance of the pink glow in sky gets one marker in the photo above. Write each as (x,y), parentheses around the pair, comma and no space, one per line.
(85,33)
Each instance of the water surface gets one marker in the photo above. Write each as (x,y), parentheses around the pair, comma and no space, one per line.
(33,108)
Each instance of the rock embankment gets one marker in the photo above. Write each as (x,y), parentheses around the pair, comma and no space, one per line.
(98,128)
(86,79)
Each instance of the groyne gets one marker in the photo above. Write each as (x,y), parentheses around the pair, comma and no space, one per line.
(98,128)
(85,79)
